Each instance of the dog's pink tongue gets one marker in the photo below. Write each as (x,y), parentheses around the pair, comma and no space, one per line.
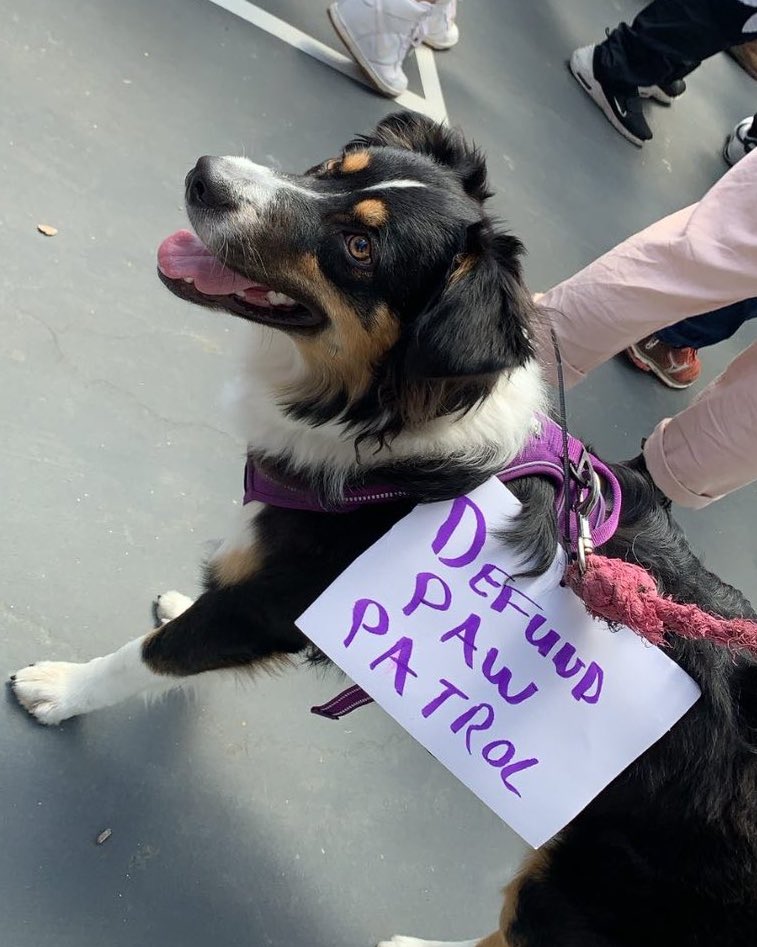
(185,256)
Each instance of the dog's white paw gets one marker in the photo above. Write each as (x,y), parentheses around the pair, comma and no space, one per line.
(48,690)
(170,605)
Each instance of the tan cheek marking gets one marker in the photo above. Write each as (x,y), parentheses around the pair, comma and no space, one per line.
(371,212)
(235,566)
(534,867)
(342,357)
(355,161)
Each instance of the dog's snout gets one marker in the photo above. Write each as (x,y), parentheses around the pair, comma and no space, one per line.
(207,185)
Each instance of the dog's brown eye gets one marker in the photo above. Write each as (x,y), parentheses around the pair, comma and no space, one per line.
(332,164)
(359,248)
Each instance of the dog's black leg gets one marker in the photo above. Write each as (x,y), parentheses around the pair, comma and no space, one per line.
(231,626)
(238,625)
(256,590)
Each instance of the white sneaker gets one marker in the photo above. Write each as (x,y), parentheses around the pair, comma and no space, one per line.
(379,34)
(441,29)
(738,144)
(623,112)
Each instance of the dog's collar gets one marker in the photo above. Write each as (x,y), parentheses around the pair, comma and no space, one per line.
(543,455)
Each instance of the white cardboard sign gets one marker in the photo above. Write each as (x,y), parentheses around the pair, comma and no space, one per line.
(534,705)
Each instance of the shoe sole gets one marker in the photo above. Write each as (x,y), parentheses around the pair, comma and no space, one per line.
(356,53)
(639,360)
(594,90)
(658,96)
(439,47)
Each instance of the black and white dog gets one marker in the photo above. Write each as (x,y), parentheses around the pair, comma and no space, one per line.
(390,343)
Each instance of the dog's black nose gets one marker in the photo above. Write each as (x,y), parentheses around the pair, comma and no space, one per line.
(207,186)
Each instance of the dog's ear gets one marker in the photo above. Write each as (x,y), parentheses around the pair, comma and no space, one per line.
(445,145)
(479,323)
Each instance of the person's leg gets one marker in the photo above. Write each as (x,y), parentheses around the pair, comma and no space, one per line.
(709,328)
(694,261)
(648,59)
(709,449)
(667,40)
(697,260)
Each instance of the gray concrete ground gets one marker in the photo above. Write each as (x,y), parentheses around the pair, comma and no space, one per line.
(237,818)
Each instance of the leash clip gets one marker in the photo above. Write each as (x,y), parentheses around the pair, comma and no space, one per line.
(585,544)
(588,494)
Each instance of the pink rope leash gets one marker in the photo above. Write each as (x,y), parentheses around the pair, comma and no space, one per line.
(625,593)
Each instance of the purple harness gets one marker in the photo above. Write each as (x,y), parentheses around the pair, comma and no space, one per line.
(589,521)
(542,455)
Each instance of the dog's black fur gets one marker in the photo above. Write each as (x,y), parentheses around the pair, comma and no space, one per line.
(666,856)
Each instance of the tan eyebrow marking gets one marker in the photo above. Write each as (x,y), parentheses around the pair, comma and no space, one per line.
(355,161)
(372,212)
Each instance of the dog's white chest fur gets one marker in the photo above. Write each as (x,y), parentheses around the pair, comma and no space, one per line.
(272,366)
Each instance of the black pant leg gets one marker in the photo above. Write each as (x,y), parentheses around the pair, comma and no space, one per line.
(668,39)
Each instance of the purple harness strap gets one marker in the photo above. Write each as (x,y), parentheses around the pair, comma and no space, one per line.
(343,703)
(260,486)
(542,456)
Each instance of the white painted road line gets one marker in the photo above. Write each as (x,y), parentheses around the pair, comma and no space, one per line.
(432,105)
(432,88)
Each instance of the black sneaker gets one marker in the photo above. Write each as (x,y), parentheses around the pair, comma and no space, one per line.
(664,94)
(623,112)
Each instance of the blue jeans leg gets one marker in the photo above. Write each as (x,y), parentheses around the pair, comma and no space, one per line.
(709,328)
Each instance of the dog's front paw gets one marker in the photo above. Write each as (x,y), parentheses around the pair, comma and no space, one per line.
(48,690)
(170,605)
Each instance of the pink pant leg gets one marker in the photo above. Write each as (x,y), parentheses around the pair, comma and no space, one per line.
(696,260)
(710,448)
